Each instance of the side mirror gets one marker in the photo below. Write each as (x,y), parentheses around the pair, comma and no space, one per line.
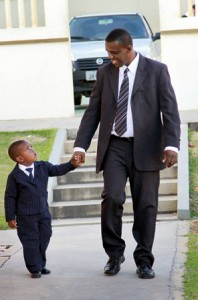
(156,36)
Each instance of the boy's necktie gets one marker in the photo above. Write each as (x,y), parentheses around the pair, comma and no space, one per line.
(30,173)
(121,113)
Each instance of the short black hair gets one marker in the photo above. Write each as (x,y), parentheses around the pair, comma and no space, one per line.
(120,35)
(13,149)
(193,6)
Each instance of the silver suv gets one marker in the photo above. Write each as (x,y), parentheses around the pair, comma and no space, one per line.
(88,35)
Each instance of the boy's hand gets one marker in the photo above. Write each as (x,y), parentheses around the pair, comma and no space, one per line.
(12,224)
(74,162)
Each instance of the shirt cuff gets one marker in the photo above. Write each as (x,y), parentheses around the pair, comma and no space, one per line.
(172,148)
(78,149)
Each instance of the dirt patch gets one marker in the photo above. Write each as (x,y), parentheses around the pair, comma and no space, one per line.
(3,248)
(194,226)
(31,138)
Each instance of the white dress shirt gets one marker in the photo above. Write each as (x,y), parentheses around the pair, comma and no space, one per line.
(23,168)
(131,75)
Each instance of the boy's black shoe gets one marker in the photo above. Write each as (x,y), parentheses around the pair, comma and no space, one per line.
(45,271)
(144,271)
(36,275)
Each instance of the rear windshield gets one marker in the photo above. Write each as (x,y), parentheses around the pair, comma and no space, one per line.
(98,27)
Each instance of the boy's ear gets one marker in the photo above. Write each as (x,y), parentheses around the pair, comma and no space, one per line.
(19,159)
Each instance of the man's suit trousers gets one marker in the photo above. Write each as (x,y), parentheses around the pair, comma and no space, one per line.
(118,167)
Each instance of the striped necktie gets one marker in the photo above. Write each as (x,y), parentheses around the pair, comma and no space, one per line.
(121,112)
(30,171)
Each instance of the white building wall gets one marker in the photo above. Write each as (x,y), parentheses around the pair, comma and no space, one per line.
(179,49)
(36,71)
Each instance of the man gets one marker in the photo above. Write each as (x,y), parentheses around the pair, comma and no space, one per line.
(194,9)
(191,13)
(134,102)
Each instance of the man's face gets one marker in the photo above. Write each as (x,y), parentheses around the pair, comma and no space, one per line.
(120,55)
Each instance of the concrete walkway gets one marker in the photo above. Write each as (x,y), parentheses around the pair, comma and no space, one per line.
(76,259)
(72,122)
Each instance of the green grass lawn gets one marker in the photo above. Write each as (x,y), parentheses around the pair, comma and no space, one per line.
(191,272)
(42,141)
(193,170)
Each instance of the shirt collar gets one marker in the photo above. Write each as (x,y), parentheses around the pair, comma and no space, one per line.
(23,168)
(133,65)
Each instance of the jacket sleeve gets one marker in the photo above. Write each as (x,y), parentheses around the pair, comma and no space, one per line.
(169,109)
(59,170)
(10,199)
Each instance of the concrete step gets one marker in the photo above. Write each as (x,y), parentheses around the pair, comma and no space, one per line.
(69,144)
(161,217)
(72,133)
(81,175)
(91,190)
(88,174)
(169,172)
(92,208)
(90,161)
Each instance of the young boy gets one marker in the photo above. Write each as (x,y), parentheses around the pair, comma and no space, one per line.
(26,206)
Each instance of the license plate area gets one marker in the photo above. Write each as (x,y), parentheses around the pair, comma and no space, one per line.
(90,75)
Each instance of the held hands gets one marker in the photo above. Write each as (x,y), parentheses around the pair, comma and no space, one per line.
(12,224)
(170,158)
(78,158)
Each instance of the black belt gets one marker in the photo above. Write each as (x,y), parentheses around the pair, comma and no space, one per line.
(124,139)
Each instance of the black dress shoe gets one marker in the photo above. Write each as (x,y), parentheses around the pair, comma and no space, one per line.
(45,271)
(145,271)
(36,275)
(113,265)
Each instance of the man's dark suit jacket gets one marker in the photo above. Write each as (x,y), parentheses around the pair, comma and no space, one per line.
(26,197)
(154,108)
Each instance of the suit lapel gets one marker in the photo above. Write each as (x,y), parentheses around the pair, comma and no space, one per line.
(37,175)
(140,75)
(21,175)
(113,77)
(139,78)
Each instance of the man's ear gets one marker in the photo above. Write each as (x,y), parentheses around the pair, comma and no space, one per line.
(19,159)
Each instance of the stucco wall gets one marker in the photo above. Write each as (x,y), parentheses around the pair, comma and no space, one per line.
(179,44)
(36,70)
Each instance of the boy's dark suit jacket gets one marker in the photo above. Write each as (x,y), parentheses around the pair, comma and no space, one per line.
(26,197)
(154,109)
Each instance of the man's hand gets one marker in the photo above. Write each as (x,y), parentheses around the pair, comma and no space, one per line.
(170,158)
(12,224)
(78,158)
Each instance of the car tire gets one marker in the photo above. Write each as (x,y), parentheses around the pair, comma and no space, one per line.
(77,99)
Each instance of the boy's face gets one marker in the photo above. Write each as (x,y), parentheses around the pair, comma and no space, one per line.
(26,154)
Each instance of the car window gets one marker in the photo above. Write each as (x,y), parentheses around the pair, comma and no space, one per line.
(98,27)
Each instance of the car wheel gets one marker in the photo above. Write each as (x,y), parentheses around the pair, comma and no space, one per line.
(77,99)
